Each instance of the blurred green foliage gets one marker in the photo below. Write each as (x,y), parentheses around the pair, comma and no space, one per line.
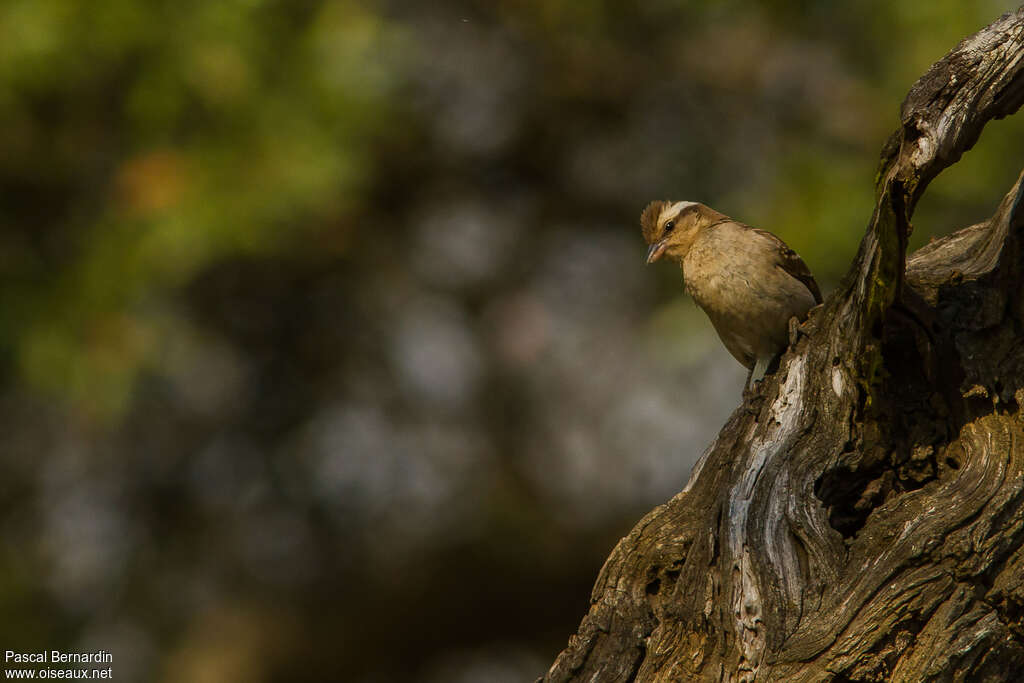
(325,325)
(166,137)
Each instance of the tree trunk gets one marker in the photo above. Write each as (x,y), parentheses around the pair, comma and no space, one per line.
(860,518)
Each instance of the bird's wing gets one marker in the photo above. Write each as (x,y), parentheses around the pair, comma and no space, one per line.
(791,262)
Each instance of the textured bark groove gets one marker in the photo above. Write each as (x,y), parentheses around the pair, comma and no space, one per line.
(861,518)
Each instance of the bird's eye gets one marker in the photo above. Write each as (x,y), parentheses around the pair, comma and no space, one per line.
(670,226)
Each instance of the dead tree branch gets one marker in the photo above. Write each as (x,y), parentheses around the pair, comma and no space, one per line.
(862,518)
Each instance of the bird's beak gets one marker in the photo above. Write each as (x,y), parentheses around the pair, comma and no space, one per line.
(656,250)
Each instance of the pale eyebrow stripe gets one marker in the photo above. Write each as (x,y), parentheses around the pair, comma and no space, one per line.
(674,209)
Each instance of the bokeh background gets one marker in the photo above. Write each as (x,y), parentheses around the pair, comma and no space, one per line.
(327,351)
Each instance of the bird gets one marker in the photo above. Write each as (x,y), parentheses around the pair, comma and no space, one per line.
(747,280)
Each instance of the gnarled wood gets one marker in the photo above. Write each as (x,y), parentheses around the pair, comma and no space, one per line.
(861,518)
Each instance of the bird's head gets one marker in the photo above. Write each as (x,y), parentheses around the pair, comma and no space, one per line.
(671,227)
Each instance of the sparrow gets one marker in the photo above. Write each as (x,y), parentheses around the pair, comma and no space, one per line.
(747,281)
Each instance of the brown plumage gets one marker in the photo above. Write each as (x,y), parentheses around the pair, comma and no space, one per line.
(747,280)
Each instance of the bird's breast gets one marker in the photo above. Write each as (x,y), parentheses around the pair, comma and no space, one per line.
(747,296)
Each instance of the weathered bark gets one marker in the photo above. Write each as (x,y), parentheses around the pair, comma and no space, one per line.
(861,518)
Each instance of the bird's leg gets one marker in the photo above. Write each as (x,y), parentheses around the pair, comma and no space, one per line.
(757,372)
